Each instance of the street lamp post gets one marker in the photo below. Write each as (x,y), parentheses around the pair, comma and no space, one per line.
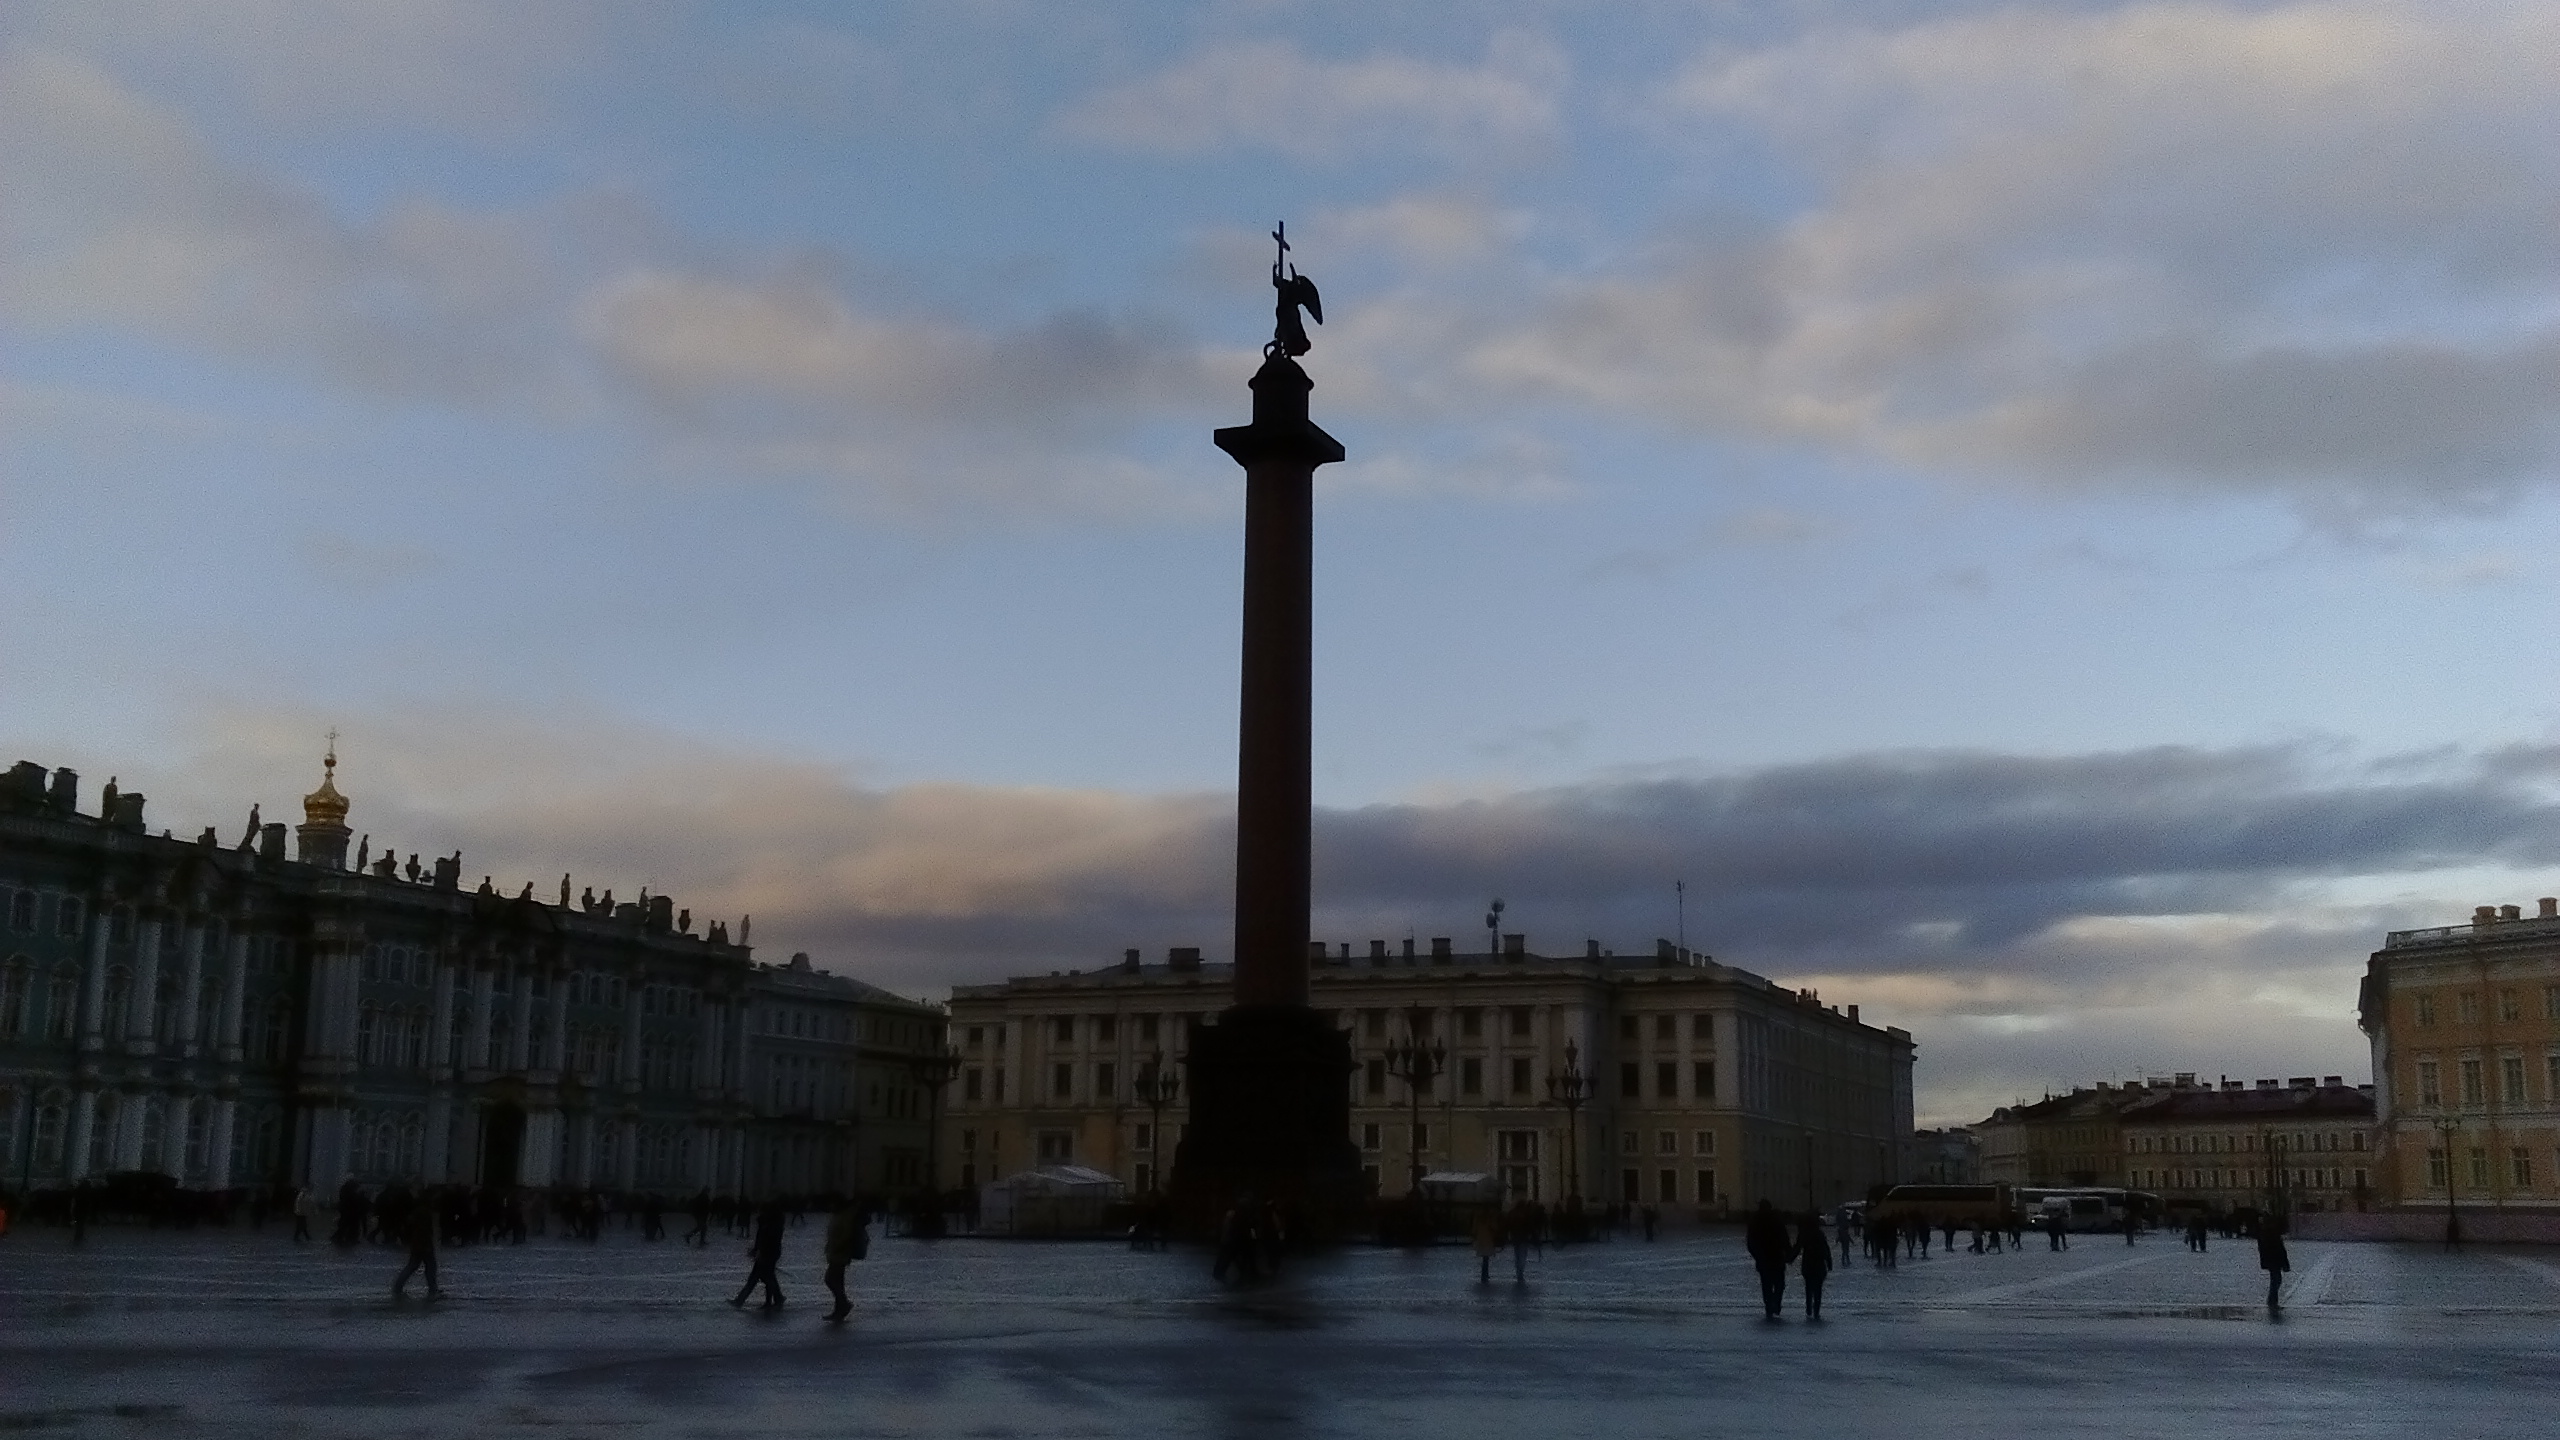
(1416,1063)
(1157,1088)
(2446,1127)
(1569,1087)
(933,1071)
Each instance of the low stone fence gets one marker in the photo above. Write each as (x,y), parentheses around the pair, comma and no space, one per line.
(2509,1227)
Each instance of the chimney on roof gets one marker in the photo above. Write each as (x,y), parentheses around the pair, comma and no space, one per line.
(1185,958)
(2510,912)
(2230,1084)
(1590,949)
(1515,947)
(2186,1079)
(1853,1014)
(2267,1085)
(1408,949)
(1315,952)
(1378,952)
(2484,915)
(1439,950)
(2332,1082)
(1129,960)
(2549,906)
(2299,1082)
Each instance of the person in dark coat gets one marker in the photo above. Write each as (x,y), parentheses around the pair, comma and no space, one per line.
(418,1232)
(1770,1248)
(1815,1254)
(2273,1259)
(766,1251)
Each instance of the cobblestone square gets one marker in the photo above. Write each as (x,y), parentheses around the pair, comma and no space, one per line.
(233,1334)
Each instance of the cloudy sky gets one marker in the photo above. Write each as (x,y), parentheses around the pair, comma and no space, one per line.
(2035,513)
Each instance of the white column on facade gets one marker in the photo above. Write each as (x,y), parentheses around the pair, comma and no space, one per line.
(190,985)
(130,1114)
(139,1004)
(484,992)
(437,1148)
(217,1143)
(555,1050)
(235,990)
(84,1122)
(93,982)
(631,1018)
(520,1020)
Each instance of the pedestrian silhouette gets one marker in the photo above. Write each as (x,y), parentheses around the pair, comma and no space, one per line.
(2273,1259)
(418,1232)
(766,1251)
(1816,1253)
(1766,1241)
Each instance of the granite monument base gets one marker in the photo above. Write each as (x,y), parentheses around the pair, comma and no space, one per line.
(1270,1120)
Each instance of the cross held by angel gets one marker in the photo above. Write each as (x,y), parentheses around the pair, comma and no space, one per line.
(1288,333)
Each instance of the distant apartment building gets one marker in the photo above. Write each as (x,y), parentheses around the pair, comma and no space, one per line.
(1708,1087)
(2073,1139)
(2464,1021)
(2290,1146)
(1952,1156)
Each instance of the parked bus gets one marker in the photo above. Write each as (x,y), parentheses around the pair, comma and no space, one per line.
(1993,1205)
(2088,1207)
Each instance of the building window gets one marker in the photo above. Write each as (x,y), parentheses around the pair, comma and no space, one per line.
(1057,1147)
(1630,1143)
(66,915)
(2466,1007)
(14,985)
(1666,1027)
(1147,1029)
(2479,1167)
(2473,1092)
(1062,1081)
(1706,1188)
(1626,1027)
(1702,1028)
(1520,1073)
(1421,1139)
(2551,1002)
(2430,1086)
(1471,1021)
(22,910)
(1106,1081)
(2511,1079)
(1518,1016)
(1666,1142)
(1704,1142)
(973,1084)
(1375,1074)
(1370,1137)
(1471,1075)
(2551,1079)
(1373,1023)
(1666,1079)
(2509,1008)
(1065,1030)
(2426,1010)
(1630,1080)
(977,1036)
(1702,1080)
(2520,1167)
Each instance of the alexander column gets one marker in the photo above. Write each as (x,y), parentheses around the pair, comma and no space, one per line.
(1270,1079)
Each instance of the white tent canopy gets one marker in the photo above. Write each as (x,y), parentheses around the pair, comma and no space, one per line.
(1051,1200)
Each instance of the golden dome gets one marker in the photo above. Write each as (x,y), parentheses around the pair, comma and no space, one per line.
(325,806)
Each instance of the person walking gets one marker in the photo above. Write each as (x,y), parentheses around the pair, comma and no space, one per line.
(303,1205)
(2273,1259)
(848,1240)
(1487,1238)
(2054,1236)
(1816,1262)
(418,1232)
(2132,1224)
(766,1251)
(1523,1230)
(700,1234)
(1765,1240)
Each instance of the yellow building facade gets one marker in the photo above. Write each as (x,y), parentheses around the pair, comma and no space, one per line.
(2464,1021)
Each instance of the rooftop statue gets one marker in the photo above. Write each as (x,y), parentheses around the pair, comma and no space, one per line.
(1288,335)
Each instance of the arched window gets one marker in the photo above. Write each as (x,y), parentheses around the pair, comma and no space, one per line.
(416,1049)
(22,910)
(52,1109)
(413,1146)
(17,982)
(279,1016)
(102,1130)
(164,1013)
(458,1058)
(119,996)
(62,1001)
(368,1036)
(155,1134)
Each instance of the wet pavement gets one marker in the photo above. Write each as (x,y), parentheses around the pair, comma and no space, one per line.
(232,1334)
